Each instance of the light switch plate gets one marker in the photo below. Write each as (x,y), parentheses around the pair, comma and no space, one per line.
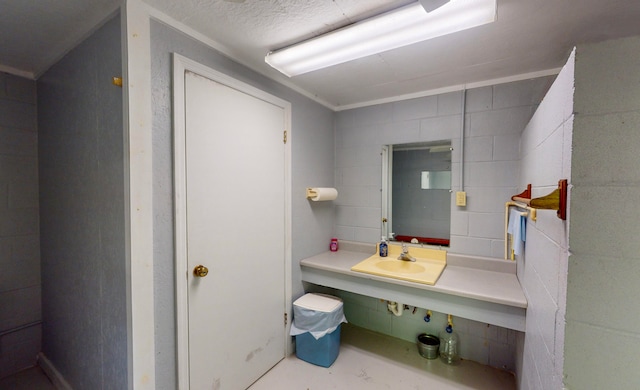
(461,198)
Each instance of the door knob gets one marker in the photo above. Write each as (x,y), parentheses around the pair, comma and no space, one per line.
(201,271)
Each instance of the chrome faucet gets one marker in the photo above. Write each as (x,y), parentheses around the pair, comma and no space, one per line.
(405,256)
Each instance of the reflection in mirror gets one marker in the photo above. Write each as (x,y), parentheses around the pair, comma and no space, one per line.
(417,192)
(436,180)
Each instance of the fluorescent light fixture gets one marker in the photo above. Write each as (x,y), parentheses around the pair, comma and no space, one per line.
(401,27)
(432,5)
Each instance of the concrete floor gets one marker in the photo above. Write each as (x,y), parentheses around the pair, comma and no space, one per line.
(367,360)
(29,379)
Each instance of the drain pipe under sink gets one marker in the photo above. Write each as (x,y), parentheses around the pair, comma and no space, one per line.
(395,307)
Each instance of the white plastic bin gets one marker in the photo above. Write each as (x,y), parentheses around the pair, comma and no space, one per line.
(316,325)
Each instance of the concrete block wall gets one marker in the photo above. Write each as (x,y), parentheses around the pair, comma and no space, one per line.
(604,265)
(19,226)
(542,270)
(495,118)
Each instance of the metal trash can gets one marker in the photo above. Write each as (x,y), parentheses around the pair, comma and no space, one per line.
(316,326)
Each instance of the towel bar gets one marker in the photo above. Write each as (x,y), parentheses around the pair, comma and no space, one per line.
(530,212)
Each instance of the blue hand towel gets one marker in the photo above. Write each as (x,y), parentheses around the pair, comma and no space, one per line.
(517,228)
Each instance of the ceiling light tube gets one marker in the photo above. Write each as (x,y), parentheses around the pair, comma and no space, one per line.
(401,27)
(432,5)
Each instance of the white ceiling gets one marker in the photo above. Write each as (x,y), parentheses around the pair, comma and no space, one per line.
(529,36)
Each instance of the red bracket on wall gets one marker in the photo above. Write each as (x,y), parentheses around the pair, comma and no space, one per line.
(557,200)
(526,194)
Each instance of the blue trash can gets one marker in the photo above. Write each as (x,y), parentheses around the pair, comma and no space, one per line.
(316,325)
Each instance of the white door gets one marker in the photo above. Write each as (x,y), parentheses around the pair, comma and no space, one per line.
(235,222)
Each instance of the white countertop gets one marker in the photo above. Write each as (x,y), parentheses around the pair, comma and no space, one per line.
(491,286)
(491,283)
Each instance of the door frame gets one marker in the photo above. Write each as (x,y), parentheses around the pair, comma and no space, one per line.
(182,64)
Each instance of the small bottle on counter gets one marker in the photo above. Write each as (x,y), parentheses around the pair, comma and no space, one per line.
(384,248)
(333,247)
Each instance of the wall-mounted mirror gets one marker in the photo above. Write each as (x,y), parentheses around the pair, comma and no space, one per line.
(416,192)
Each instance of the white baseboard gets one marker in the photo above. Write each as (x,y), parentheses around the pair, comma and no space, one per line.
(53,374)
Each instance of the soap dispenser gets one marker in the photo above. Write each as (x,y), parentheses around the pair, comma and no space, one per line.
(384,248)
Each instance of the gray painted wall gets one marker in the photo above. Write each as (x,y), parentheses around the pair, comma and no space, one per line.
(19,240)
(312,165)
(81,164)
(603,288)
